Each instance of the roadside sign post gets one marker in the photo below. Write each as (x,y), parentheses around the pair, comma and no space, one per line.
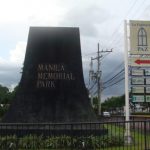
(128,139)
(137,59)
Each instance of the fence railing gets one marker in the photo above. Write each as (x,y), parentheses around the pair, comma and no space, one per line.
(75,136)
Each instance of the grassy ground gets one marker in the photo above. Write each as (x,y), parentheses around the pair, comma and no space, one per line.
(137,136)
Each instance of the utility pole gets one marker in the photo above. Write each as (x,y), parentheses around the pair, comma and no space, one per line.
(99,81)
(97,75)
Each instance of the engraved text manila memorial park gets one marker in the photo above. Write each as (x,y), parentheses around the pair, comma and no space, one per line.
(52,87)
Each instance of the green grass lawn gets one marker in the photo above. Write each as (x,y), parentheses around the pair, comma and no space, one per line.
(138,138)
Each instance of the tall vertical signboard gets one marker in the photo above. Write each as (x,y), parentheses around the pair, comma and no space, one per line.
(139,60)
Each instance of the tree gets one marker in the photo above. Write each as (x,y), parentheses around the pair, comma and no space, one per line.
(5,98)
(113,103)
(95,104)
(4,94)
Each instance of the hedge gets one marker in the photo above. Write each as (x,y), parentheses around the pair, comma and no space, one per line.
(33,142)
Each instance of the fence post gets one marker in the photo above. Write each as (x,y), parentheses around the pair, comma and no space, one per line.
(71,136)
(145,139)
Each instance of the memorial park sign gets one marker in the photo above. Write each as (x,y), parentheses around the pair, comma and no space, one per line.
(52,86)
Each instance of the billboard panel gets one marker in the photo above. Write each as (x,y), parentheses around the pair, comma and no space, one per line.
(147,72)
(136,81)
(137,89)
(147,89)
(138,98)
(147,98)
(139,37)
(148,81)
(137,72)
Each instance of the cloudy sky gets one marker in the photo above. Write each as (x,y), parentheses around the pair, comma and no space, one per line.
(99,21)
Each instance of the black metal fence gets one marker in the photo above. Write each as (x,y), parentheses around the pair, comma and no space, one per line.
(133,135)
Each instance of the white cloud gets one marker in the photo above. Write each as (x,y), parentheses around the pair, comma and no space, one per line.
(33,12)
(2,61)
(10,68)
(88,18)
(17,54)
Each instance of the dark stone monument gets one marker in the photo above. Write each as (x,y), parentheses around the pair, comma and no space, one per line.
(52,87)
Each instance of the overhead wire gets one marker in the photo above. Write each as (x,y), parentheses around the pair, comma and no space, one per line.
(89,54)
(116,68)
(114,83)
(119,73)
(139,8)
(92,86)
(105,56)
(118,77)
(121,22)
(117,40)
(114,76)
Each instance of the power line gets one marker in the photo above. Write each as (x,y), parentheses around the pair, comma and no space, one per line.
(92,86)
(88,54)
(105,56)
(117,40)
(114,33)
(118,77)
(114,76)
(116,68)
(139,8)
(114,83)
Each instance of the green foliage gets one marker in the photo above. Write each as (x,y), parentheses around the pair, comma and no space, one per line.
(55,142)
(8,142)
(95,104)
(5,98)
(3,110)
(33,142)
(113,103)
(4,94)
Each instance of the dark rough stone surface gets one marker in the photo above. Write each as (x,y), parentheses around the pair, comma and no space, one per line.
(52,87)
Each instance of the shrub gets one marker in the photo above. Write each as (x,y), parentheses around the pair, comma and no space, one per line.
(34,142)
(31,142)
(8,142)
